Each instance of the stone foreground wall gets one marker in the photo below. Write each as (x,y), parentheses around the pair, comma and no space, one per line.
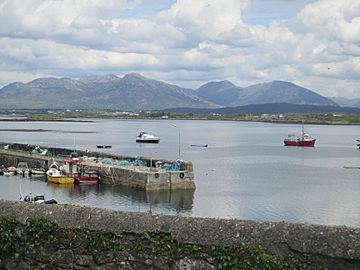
(335,247)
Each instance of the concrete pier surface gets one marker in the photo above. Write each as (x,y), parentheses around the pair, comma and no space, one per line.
(137,172)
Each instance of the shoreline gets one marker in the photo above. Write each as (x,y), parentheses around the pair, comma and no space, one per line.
(295,121)
(43,120)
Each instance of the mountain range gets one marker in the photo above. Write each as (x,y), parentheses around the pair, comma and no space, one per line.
(268,108)
(347,102)
(134,92)
(229,95)
(129,93)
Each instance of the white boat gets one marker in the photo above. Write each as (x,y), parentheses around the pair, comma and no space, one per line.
(144,137)
(10,171)
(22,168)
(38,171)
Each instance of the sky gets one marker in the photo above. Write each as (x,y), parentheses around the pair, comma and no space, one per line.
(313,43)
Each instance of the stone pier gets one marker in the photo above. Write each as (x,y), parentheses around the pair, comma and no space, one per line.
(148,175)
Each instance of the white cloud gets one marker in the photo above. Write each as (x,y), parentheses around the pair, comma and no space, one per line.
(190,42)
(47,55)
(332,18)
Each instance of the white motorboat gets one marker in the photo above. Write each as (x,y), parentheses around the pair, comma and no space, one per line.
(144,137)
(37,171)
(22,168)
(10,171)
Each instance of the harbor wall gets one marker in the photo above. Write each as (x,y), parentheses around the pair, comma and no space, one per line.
(145,241)
(34,161)
(151,180)
(132,176)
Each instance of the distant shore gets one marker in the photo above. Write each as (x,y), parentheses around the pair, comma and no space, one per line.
(228,118)
(90,116)
(42,120)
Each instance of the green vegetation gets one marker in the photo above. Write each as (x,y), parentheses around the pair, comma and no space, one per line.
(19,240)
(9,241)
(80,115)
(40,231)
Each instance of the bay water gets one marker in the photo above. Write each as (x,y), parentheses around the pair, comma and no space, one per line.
(244,173)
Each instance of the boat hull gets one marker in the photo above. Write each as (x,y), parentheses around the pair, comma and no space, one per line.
(37,171)
(105,146)
(9,173)
(61,179)
(199,145)
(147,141)
(300,143)
(86,179)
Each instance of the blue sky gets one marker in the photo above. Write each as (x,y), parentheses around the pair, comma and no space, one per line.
(313,43)
(265,11)
(259,11)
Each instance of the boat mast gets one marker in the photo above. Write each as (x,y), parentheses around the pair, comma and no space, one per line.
(303,131)
(74,146)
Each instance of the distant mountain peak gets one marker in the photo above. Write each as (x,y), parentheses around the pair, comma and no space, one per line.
(135,75)
(219,92)
(44,79)
(222,84)
(227,94)
(99,78)
(283,83)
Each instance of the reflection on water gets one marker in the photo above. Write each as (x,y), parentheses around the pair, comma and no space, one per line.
(103,196)
(245,173)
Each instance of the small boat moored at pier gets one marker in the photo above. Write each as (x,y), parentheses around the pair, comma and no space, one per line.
(86,174)
(37,171)
(22,168)
(144,137)
(73,171)
(55,175)
(10,171)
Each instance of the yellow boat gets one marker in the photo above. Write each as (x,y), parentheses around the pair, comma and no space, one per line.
(54,175)
(61,179)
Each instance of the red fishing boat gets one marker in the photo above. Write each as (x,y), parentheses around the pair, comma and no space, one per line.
(73,170)
(304,140)
(86,174)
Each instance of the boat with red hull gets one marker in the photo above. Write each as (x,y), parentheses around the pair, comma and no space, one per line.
(74,171)
(304,140)
(87,174)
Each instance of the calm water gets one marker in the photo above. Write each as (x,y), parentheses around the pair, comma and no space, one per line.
(245,172)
